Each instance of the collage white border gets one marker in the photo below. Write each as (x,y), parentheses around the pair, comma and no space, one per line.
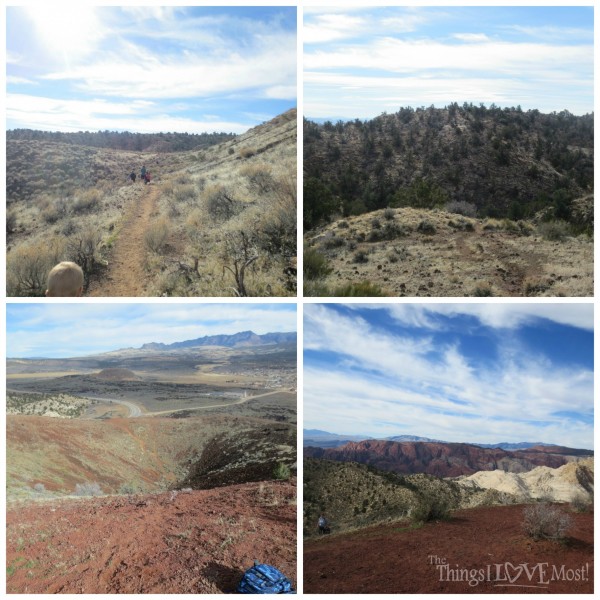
(300,300)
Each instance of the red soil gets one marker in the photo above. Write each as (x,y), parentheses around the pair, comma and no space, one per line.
(396,559)
(185,542)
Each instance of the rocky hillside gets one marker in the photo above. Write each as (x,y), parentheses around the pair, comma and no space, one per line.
(215,221)
(560,485)
(422,252)
(443,460)
(501,162)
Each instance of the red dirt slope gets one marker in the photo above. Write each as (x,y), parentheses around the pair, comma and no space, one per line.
(441,557)
(185,542)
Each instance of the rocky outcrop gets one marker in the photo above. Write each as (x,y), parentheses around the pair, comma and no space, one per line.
(443,459)
(558,485)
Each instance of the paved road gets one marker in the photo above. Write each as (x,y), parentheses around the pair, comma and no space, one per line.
(240,401)
(134,409)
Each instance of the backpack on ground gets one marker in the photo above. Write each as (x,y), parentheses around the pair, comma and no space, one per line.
(264,579)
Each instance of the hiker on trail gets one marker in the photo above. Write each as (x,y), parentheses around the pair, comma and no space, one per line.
(65,279)
(323,525)
(132,175)
(143,173)
(147,179)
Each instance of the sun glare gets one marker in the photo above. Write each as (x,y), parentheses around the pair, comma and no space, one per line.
(65,34)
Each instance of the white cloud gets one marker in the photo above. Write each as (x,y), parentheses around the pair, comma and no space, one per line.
(503,316)
(14,80)
(436,391)
(36,112)
(472,37)
(331,27)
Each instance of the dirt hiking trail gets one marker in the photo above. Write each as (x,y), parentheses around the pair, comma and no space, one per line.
(125,274)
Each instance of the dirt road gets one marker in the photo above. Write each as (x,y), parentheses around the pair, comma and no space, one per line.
(126,275)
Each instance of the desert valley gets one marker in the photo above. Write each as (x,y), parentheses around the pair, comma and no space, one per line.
(167,468)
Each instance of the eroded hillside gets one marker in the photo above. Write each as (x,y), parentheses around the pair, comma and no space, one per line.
(50,457)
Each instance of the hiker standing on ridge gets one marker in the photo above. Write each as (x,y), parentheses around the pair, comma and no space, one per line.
(323,525)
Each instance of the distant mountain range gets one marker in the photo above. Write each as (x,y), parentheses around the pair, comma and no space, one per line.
(243,338)
(325,439)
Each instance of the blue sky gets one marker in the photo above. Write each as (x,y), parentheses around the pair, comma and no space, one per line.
(66,330)
(360,62)
(149,69)
(479,373)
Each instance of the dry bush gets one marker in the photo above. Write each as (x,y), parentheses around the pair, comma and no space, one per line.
(239,251)
(259,177)
(183,179)
(580,503)
(168,187)
(277,228)
(247,152)
(88,201)
(185,193)
(55,211)
(219,203)
(554,231)
(461,207)
(11,221)
(157,235)
(545,521)
(28,267)
(84,249)
(88,489)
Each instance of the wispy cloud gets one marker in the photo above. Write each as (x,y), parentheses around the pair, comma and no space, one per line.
(416,58)
(229,61)
(417,377)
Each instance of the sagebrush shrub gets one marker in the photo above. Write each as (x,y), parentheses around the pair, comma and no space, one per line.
(461,207)
(219,203)
(545,521)
(281,471)
(185,193)
(28,266)
(358,290)
(88,489)
(430,508)
(315,265)
(157,235)
(259,177)
(554,231)
(88,201)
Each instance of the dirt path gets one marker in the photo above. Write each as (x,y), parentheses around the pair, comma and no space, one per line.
(125,275)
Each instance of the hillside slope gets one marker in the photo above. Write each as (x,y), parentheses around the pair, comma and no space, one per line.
(478,551)
(146,455)
(220,221)
(505,162)
(191,542)
(418,252)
